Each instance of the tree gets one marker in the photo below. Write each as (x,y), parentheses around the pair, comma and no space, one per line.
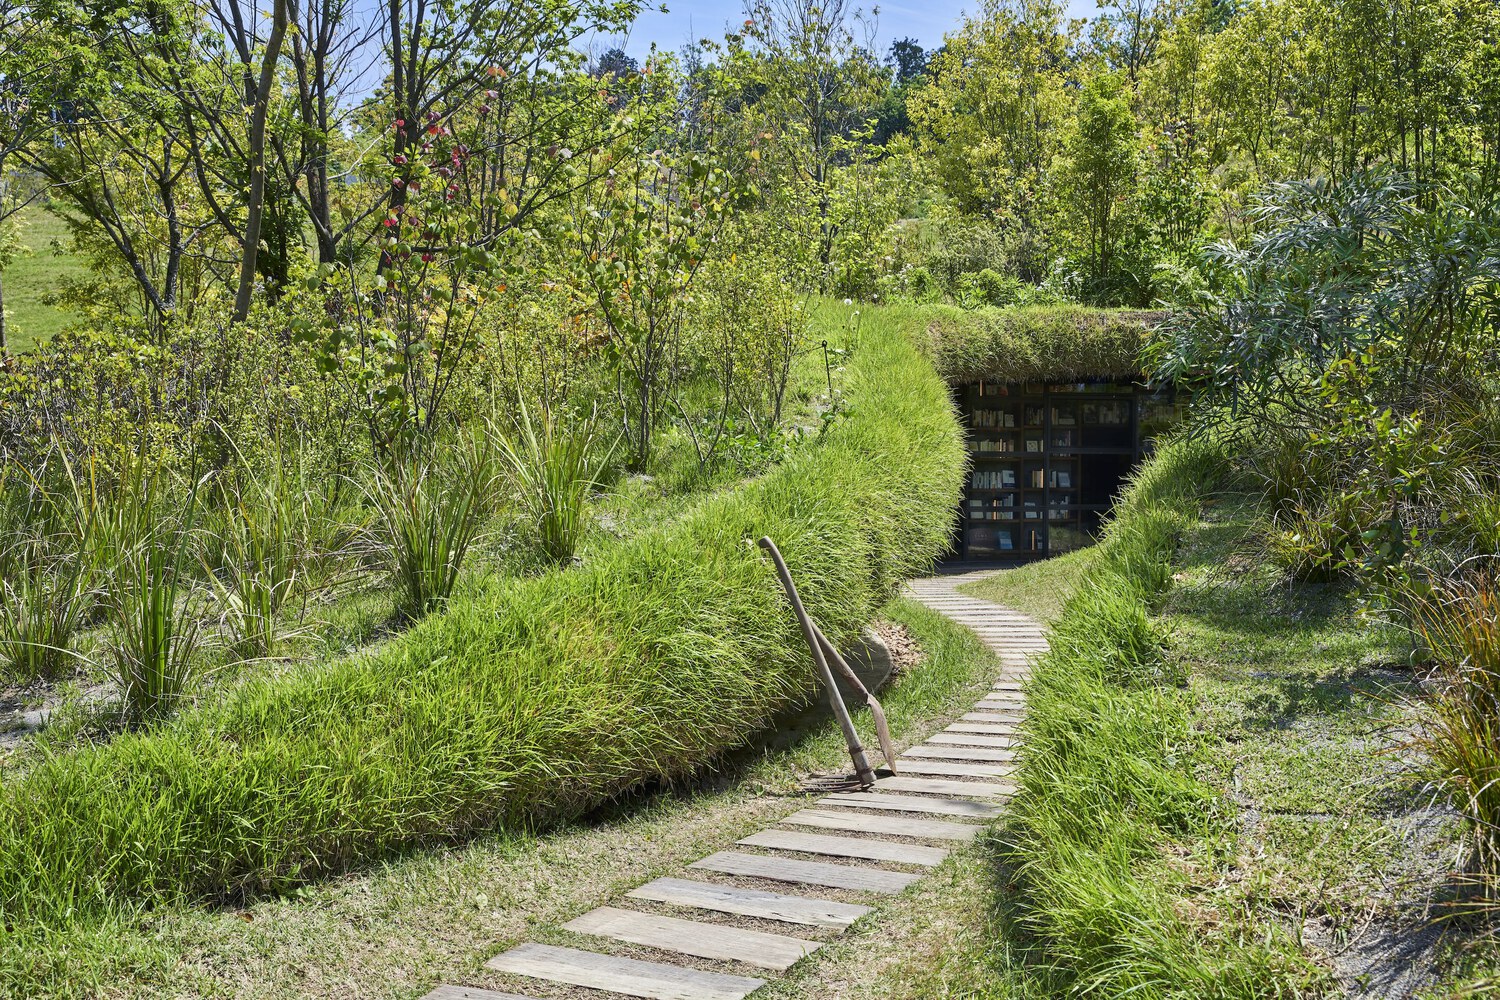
(1128,32)
(990,117)
(30,61)
(1097,173)
(818,86)
(616,63)
(908,59)
(642,238)
(256,150)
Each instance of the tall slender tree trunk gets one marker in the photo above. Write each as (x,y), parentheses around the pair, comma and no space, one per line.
(4,344)
(256,202)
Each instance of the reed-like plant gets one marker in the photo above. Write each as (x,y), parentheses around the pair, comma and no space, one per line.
(47,569)
(555,468)
(145,539)
(275,540)
(1460,732)
(429,507)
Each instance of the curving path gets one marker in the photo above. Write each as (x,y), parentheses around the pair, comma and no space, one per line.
(772,898)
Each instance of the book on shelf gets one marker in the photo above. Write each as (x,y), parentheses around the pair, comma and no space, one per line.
(1063,417)
(1037,480)
(1004,541)
(994,418)
(992,479)
(1062,479)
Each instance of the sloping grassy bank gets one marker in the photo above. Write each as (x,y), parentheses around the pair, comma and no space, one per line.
(1112,828)
(527,701)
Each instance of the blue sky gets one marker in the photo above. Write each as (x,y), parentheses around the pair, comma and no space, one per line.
(925,21)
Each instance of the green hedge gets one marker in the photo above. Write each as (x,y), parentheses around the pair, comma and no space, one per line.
(1039,344)
(526,702)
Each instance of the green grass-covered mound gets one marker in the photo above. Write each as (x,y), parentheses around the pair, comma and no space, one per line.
(1110,794)
(525,702)
(1039,343)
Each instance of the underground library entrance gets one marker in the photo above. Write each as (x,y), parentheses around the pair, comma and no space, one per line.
(1048,460)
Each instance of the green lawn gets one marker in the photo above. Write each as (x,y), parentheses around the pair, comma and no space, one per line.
(32,276)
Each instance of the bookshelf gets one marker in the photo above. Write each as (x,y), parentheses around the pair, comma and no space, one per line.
(1046,461)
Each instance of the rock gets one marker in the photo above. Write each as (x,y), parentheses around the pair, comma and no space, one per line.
(872,662)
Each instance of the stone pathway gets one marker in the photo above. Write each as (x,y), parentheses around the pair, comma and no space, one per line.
(717,932)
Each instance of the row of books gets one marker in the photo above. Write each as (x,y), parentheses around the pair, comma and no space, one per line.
(1030,514)
(1005,445)
(1007,501)
(1006,539)
(1106,413)
(994,418)
(1005,479)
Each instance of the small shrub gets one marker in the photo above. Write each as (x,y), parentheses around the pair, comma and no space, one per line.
(429,509)
(997,289)
(555,469)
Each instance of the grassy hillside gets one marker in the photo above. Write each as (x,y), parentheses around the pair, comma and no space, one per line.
(34,274)
(524,703)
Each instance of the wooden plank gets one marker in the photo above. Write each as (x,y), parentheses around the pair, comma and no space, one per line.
(629,976)
(806,872)
(751,903)
(897,826)
(941,752)
(471,993)
(912,804)
(846,847)
(935,786)
(953,769)
(971,740)
(693,937)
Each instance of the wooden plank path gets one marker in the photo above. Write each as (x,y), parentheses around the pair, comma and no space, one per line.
(691,933)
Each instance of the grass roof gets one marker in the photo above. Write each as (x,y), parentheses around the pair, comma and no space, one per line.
(1039,343)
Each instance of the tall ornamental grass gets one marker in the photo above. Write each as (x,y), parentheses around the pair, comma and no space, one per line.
(525,701)
(555,467)
(429,507)
(145,548)
(1460,732)
(273,539)
(48,570)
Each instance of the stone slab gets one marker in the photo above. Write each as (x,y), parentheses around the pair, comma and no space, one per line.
(858,848)
(694,937)
(913,804)
(804,910)
(800,872)
(634,978)
(861,821)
